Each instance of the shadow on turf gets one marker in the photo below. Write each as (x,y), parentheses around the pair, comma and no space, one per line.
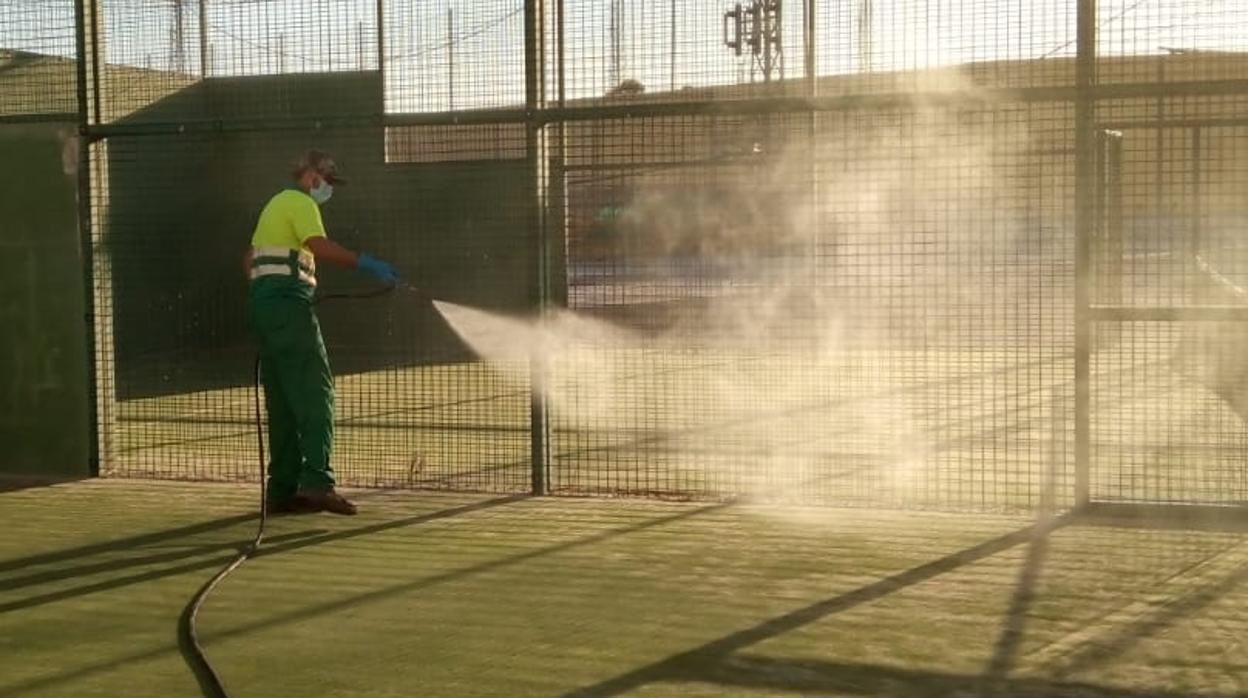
(813,677)
(719,661)
(1005,653)
(1122,639)
(294,616)
(194,660)
(125,543)
(1204,519)
(273,545)
(116,565)
(146,576)
(716,652)
(1115,642)
(14,483)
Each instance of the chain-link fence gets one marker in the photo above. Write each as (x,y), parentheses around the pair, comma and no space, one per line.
(971,255)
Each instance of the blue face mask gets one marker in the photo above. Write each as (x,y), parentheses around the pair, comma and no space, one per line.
(322,192)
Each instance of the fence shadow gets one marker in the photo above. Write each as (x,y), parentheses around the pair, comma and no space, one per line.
(679,666)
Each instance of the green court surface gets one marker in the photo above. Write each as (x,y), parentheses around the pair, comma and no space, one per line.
(472,595)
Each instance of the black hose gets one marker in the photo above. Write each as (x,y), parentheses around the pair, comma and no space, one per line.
(209,681)
(188,635)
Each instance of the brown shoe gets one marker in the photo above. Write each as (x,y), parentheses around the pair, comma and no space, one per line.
(325,500)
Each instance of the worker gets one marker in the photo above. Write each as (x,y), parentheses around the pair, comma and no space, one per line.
(288,243)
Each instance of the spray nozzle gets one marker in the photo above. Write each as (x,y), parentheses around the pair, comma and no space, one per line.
(412,289)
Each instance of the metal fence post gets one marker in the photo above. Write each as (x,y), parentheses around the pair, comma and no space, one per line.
(539,287)
(1085,229)
(84,234)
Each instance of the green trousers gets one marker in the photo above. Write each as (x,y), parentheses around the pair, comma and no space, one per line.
(298,385)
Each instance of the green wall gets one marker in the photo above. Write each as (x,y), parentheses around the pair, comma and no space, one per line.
(43,362)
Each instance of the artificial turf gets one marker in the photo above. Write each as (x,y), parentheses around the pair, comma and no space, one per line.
(452,595)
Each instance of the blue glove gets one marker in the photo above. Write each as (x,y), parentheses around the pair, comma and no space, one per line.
(383,271)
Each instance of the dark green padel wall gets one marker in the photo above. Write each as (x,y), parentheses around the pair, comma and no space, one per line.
(43,364)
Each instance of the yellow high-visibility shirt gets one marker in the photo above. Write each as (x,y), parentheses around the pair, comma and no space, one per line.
(289,220)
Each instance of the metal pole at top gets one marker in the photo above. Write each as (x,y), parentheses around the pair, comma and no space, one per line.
(560,59)
(82,76)
(204,67)
(178,39)
(381,40)
(866,26)
(1085,229)
(808,31)
(615,76)
(94,55)
(672,60)
(450,56)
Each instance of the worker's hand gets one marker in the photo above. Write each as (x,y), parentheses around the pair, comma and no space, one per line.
(383,271)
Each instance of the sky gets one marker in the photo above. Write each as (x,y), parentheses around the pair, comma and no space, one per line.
(462,54)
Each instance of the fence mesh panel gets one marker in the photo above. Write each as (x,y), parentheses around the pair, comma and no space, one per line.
(817,251)
(413,406)
(862,306)
(38,58)
(1168,396)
